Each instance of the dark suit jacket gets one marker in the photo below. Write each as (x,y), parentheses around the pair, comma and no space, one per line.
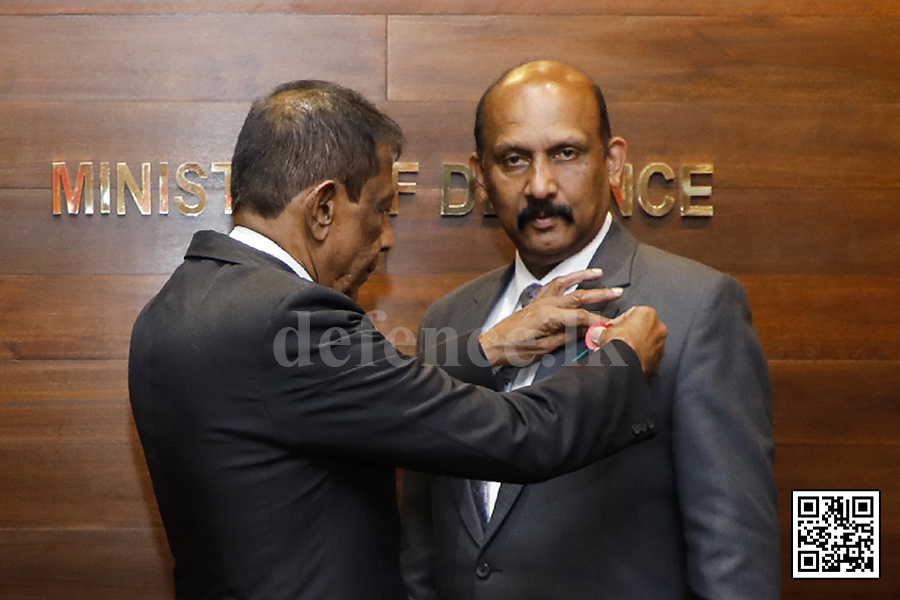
(272,451)
(692,513)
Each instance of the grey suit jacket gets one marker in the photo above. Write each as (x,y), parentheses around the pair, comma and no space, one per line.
(272,415)
(692,513)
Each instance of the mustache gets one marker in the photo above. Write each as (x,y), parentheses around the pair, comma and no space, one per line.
(544,208)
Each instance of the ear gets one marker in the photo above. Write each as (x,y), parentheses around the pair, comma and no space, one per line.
(615,160)
(319,208)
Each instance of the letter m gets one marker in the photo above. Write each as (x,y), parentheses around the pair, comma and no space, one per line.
(84,183)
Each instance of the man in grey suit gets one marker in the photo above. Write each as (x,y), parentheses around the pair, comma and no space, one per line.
(692,513)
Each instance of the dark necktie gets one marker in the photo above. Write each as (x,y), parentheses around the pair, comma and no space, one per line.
(505,375)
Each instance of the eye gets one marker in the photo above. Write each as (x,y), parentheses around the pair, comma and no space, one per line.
(567,153)
(514,160)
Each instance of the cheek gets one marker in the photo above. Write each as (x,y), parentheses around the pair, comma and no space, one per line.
(371,234)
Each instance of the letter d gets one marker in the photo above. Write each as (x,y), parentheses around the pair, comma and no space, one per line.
(301,350)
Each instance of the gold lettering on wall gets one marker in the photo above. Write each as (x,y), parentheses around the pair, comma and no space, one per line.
(191,187)
(626,199)
(163,188)
(688,191)
(403,187)
(104,189)
(456,210)
(663,208)
(84,184)
(69,195)
(124,179)
(224,167)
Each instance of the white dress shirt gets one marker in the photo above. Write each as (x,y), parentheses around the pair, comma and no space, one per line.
(256,240)
(509,303)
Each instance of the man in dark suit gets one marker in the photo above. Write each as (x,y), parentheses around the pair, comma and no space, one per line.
(271,411)
(692,513)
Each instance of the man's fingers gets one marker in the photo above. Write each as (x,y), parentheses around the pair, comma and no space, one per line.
(558,286)
(580,298)
(557,320)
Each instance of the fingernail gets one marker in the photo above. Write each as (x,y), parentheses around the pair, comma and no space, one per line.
(598,271)
(618,290)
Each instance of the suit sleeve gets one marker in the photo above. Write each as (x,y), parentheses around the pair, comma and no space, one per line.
(339,389)
(723,447)
(417,544)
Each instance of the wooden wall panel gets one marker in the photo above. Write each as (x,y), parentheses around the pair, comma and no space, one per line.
(797,104)
(85,564)
(39,134)
(846,402)
(70,317)
(96,484)
(653,59)
(823,318)
(195,58)
(845,8)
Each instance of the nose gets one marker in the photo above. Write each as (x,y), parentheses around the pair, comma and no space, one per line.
(541,184)
(387,234)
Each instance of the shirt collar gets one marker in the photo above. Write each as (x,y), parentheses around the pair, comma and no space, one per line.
(577,262)
(258,241)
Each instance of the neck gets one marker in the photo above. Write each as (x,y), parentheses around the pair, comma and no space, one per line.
(283,232)
(539,269)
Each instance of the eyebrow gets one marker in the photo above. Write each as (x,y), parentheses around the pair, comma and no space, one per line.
(574,141)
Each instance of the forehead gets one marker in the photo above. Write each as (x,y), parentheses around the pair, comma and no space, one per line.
(541,111)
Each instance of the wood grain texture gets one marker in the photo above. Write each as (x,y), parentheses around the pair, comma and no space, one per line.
(93,485)
(37,135)
(85,564)
(653,59)
(824,318)
(185,58)
(129,244)
(840,402)
(845,8)
(36,381)
(71,317)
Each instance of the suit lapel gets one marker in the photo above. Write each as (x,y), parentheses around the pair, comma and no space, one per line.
(616,257)
(481,300)
(469,315)
(467,511)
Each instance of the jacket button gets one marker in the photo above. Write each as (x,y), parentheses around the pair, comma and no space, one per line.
(483,570)
(636,429)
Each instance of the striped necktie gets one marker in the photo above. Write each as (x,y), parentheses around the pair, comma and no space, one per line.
(505,375)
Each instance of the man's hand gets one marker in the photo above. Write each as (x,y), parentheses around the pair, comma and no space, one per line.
(640,328)
(551,320)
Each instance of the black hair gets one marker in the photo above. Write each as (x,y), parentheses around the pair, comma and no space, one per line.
(302,133)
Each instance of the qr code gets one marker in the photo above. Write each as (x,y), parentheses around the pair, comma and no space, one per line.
(836,534)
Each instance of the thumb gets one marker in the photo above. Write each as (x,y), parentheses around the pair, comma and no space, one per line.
(593,339)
